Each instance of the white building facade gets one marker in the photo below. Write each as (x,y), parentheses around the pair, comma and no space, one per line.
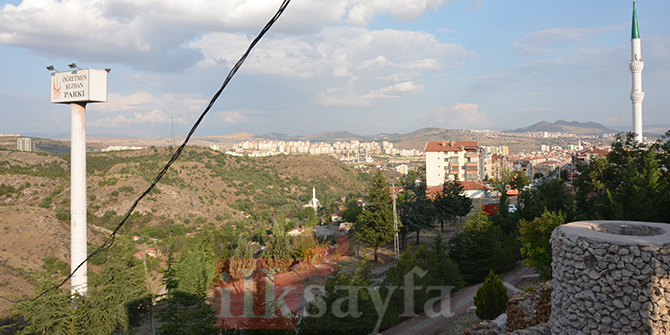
(452,160)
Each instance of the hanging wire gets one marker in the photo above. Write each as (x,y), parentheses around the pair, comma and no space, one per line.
(110,240)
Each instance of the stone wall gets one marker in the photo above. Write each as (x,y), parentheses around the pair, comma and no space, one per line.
(530,308)
(611,277)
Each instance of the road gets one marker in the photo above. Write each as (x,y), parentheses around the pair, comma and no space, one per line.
(459,302)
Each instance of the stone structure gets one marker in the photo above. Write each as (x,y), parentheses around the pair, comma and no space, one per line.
(530,308)
(611,277)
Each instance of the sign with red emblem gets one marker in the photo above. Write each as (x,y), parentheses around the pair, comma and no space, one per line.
(79,86)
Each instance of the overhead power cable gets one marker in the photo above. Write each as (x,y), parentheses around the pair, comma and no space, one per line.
(110,240)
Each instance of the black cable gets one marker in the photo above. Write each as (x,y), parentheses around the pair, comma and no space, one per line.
(110,240)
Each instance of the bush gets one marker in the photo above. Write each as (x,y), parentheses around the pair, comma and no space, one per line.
(491,298)
(63,215)
(535,241)
(46,202)
(126,189)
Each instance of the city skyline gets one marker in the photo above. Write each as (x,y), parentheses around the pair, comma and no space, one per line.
(366,67)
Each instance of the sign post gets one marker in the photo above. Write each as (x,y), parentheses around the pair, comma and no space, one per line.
(78,87)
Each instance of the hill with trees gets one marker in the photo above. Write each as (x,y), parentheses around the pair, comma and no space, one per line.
(204,190)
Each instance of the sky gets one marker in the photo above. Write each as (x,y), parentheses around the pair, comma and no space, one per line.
(363,66)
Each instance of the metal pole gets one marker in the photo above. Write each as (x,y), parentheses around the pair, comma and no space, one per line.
(78,282)
(396,244)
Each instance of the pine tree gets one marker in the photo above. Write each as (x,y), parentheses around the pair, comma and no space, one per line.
(242,258)
(278,253)
(491,298)
(416,212)
(477,248)
(375,225)
(187,310)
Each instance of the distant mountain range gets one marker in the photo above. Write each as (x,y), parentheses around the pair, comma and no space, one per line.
(326,136)
(561,126)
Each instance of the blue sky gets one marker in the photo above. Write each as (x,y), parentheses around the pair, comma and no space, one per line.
(365,66)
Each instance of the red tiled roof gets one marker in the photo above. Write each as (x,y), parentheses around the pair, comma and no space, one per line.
(451,145)
(469,185)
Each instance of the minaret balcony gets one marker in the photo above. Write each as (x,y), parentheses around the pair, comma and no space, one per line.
(636,66)
(636,97)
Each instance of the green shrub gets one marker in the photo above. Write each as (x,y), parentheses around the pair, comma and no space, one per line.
(491,298)
(46,202)
(534,238)
(126,189)
(63,215)
(114,194)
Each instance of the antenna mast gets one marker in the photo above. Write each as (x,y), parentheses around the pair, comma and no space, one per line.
(172,140)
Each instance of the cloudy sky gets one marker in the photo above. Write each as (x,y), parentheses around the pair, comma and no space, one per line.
(364,66)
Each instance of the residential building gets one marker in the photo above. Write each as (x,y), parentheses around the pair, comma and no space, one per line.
(25,144)
(452,160)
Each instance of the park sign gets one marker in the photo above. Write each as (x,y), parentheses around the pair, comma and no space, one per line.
(86,85)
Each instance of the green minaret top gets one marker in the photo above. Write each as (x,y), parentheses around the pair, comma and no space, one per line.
(636,33)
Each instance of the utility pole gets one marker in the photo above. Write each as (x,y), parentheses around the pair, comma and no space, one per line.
(396,244)
(172,140)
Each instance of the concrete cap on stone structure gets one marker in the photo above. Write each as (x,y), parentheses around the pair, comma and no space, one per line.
(644,234)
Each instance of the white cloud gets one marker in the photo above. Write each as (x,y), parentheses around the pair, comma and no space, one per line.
(363,12)
(154,34)
(336,51)
(542,41)
(232,117)
(152,117)
(394,91)
(379,61)
(343,96)
(143,108)
(459,116)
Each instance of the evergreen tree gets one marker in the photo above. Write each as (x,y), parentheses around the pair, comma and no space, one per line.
(375,225)
(477,249)
(491,298)
(451,202)
(443,266)
(416,212)
(631,183)
(187,310)
(242,258)
(351,322)
(278,253)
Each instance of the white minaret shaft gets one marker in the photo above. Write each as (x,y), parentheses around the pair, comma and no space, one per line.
(636,65)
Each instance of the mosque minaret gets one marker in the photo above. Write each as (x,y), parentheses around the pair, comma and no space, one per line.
(636,65)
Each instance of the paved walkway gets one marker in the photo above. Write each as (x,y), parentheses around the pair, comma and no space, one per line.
(459,302)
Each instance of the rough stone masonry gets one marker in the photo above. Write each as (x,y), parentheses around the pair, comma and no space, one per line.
(611,277)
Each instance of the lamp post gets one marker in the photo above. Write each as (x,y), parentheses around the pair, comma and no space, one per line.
(78,87)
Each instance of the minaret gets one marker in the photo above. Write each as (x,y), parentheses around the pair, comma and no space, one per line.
(636,65)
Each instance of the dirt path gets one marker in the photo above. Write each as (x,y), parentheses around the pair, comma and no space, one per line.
(459,302)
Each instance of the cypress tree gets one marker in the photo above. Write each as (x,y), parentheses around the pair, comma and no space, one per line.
(491,298)
(375,225)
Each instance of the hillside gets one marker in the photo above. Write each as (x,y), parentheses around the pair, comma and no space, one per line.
(574,127)
(204,189)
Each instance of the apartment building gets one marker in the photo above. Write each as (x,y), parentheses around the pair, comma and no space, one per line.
(452,160)
(25,144)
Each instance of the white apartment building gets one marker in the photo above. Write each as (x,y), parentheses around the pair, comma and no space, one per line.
(25,144)
(449,160)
